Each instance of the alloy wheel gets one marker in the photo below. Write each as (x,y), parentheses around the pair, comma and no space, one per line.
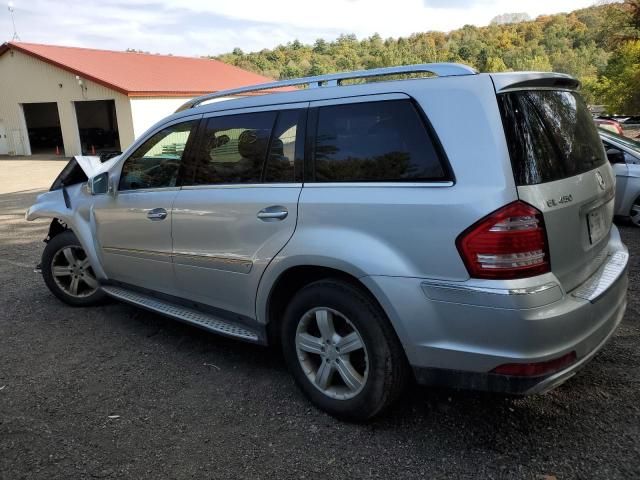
(72,272)
(332,353)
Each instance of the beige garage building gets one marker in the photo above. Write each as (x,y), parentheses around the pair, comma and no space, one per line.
(71,101)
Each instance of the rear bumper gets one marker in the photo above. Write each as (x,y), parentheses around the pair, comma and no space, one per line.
(513,385)
(456,334)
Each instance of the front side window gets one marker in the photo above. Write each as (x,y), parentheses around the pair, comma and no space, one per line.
(234,148)
(156,162)
(631,160)
(633,145)
(374,142)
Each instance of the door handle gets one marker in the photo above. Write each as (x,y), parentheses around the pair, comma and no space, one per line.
(271,214)
(157,214)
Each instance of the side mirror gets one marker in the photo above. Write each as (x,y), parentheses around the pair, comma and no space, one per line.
(99,185)
(615,156)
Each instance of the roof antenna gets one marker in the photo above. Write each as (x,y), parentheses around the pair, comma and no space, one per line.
(16,37)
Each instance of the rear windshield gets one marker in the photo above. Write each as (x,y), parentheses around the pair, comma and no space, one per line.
(551,135)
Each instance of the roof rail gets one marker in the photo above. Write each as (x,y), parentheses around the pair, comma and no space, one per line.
(336,79)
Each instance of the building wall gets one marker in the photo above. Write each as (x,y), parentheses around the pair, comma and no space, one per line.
(147,111)
(25,79)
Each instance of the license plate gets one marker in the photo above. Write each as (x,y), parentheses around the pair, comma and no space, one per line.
(597,225)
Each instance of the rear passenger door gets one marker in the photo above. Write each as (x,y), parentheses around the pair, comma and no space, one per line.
(376,182)
(238,205)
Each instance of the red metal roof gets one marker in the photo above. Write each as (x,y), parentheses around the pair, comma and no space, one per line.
(141,74)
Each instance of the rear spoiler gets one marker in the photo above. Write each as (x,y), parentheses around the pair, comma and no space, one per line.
(509,81)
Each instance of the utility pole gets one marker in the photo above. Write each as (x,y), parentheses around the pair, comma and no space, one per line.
(13,21)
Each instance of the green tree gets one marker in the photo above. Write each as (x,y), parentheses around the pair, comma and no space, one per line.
(623,77)
(495,64)
(598,45)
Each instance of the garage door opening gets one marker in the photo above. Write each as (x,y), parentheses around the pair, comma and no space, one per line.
(43,127)
(98,126)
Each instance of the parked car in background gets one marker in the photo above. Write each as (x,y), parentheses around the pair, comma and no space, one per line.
(455,228)
(610,125)
(624,155)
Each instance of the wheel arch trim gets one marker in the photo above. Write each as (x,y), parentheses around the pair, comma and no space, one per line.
(280,266)
(51,205)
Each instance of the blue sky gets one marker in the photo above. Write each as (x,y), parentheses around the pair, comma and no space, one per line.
(201,27)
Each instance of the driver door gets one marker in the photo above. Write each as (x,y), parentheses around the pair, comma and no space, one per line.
(133,226)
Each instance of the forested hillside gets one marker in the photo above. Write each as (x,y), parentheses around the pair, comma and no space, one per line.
(599,45)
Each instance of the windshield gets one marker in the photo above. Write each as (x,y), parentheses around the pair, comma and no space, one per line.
(550,135)
(625,141)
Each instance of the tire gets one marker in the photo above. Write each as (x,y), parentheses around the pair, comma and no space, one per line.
(634,214)
(64,264)
(325,371)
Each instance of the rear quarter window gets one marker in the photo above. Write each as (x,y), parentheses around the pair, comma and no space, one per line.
(550,134)
(385,141)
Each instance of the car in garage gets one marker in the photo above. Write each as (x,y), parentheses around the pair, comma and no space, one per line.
(624,155)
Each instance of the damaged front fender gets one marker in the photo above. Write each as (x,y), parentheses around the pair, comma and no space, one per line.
(75,211)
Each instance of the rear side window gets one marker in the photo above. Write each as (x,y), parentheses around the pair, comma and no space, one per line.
(234,148)
(550,135)
(384,141)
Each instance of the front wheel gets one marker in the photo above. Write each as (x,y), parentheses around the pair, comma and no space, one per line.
(342,350)
(67,272)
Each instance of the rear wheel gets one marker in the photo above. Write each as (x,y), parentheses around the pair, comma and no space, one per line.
(342,351)
(67,272)
(634,215)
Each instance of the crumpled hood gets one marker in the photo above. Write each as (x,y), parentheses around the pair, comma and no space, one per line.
(89,164)
(92,165)
(80,168)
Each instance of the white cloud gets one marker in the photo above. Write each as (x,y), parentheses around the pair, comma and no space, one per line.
(200,27)
(365,17)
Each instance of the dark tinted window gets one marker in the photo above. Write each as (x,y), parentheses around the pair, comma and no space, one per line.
(550,134)
(281,162)
(374,142)
(155,164)
(234,148)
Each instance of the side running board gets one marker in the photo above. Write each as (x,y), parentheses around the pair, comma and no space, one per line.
(204,320)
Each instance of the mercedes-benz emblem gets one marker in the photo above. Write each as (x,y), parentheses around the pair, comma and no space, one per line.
(600,180)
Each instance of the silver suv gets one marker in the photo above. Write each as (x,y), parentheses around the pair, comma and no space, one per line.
(450,227)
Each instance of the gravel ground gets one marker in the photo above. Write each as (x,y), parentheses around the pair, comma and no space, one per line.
(117,392)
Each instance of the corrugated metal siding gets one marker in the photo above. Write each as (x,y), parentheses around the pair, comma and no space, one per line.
(147,111)
(24,79)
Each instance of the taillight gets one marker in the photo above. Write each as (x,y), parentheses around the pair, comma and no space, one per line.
(508,243)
